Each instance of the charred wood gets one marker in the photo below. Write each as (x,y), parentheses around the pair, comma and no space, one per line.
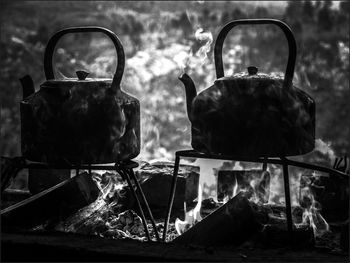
(233,223)
(155,181)
(53,204)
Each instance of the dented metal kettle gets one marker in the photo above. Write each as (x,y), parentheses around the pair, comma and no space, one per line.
(251,114)
(80,120)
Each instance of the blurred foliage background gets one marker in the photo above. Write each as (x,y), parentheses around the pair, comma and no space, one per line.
(159,38)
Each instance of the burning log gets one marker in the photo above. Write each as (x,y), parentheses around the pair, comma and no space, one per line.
(156,181)
(53,204)
(233,223)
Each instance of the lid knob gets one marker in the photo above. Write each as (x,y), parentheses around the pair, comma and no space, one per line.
(252,70)
(82,74)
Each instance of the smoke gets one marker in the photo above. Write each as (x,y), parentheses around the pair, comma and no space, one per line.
(206,37)
(324,148)
(196,59)
(200,49)
(311,207)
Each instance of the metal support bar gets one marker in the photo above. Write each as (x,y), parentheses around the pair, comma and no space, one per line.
(189,153)
(125,175)
(138,187)
(195,154)
(89,170)
(172,194)
(264,167)
(287,199)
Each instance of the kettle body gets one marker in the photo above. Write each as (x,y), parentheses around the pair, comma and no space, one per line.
(83,120)
(251,114)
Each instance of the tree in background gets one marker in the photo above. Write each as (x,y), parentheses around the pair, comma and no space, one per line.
(154,29)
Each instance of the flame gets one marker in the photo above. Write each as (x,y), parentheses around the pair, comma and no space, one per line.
(311,214)
(191,217)
(235,188)
(259,187)
(109,183)
(276,186)
(234,192)
(207,178)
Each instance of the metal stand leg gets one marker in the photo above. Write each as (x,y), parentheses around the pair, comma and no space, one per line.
(125,176)
(287,198)
(172,195)
(89,170)
(264,167)
(138,186)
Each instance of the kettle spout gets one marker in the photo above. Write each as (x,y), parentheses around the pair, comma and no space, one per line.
(27,85)
(191,92)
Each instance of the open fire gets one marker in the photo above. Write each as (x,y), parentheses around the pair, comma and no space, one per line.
(264,191)
(112,215)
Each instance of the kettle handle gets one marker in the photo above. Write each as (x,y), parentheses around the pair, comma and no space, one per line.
(288,77)
(117,43)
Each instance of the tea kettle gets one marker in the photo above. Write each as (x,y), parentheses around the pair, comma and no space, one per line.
(251,114)
(79,120)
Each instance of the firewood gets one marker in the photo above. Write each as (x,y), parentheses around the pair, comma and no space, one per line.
(156,182)
(232,223)
(53,204)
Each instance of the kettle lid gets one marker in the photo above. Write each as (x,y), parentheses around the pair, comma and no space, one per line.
(81,78)
(252,75)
